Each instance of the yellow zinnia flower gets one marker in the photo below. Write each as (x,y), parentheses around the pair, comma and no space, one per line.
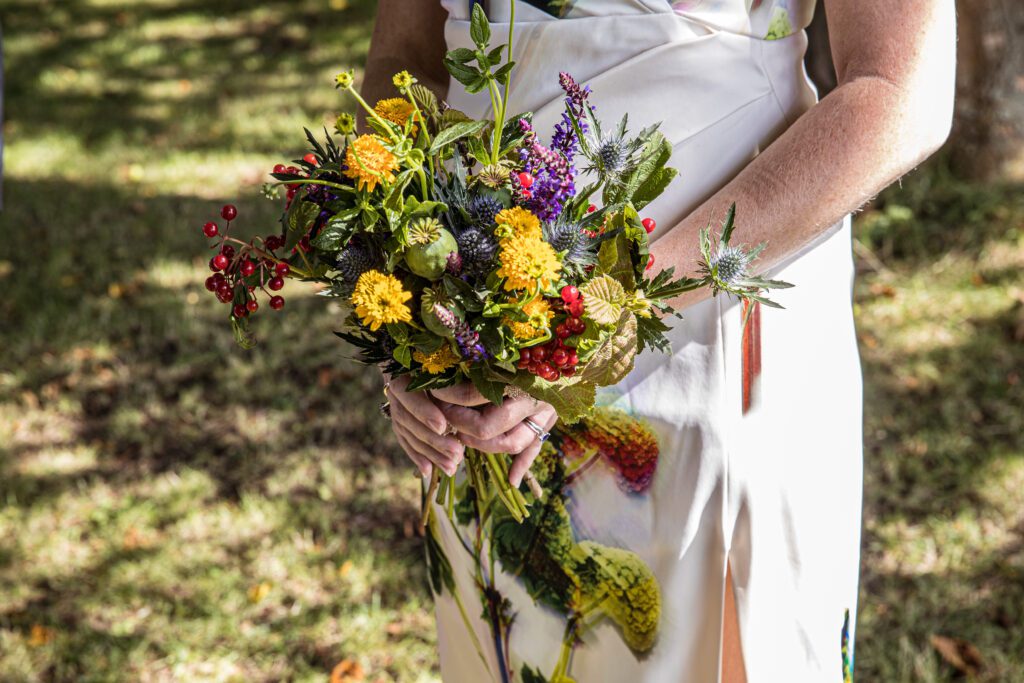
(369,162)
(519,221)
(397,111)
(380,299)
(438,361)
(526,262)
(539,312)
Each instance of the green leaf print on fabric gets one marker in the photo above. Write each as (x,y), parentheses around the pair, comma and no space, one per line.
(847,655)
(556,8)
(781,26)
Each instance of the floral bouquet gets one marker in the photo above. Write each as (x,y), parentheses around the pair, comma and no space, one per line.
(467,250)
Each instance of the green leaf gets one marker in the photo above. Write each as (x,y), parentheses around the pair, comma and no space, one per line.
(460,72)
(729,224)
(494,56)
(463,293)
(614,360)
(479,28)
(503,72)
(477,85)
(455,132)
(425,97)
(652,188)
(403,354)
(370,217)
(572,398)
(489,389)
(438,567)
(461,55)
(604,296)
(650,332)
(298,221)
(414,208)
(614,259)
(338,231)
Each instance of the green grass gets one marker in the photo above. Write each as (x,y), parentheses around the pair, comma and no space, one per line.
(175,508)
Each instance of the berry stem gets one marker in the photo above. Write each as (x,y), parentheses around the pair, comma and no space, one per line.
(256,250)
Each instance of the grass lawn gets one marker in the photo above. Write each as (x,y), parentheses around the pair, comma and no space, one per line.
(175,508)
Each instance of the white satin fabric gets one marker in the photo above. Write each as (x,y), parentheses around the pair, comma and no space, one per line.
(776,491)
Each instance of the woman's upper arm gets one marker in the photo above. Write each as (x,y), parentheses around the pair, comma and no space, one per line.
(905,45)
(410,34)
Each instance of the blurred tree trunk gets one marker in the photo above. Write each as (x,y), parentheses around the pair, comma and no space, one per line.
(987,141)
(988,133)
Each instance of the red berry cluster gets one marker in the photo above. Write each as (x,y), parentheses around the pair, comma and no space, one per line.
(549,361)
(292,170)
(555,359)
(237,274)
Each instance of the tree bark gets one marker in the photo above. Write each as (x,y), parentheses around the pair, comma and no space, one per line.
(988,132)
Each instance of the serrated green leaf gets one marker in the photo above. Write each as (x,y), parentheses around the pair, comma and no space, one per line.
(614,360)
(650,332)
(572,398)
(425,97)
(455,132)
(653,187)
(604,297)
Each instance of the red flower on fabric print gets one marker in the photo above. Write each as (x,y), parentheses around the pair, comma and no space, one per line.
(628,444)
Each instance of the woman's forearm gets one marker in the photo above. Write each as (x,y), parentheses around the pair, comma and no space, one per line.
(840,153)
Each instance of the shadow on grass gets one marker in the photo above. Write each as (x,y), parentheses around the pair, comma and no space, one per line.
(90,68)
(929,438)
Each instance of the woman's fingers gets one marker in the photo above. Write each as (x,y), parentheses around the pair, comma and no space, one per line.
(420,461)
(521,463)
(492,421)
(419,405)
(444,451)
(424,450)
(516,439)
(463,394)
(512,441)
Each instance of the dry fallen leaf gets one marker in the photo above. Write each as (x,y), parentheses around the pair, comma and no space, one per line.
(258,592)
(39,635)
(958,653)
(347,671)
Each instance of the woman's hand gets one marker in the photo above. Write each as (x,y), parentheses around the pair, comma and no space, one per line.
(422,429)
(497,429)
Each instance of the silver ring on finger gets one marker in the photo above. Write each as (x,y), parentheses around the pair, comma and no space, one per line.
(385,409)
(541,433)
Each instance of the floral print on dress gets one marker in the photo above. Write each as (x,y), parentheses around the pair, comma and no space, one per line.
(763,19)
(767,19)
(583,581)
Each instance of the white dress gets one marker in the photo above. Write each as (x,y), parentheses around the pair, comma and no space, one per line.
(691,469)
